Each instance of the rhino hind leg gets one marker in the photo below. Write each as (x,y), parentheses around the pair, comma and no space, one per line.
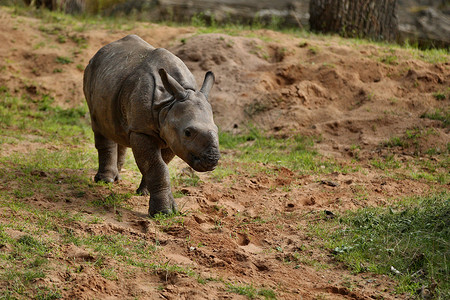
(121,155)
(107,159)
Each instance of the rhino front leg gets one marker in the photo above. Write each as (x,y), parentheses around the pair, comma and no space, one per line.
(107,159)
(155,174)
(167,156)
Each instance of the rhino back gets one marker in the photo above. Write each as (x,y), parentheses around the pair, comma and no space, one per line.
(104,78)
(122,87)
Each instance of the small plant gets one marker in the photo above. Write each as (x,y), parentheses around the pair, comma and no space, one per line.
(113,200)
(63,60)
(250,291)
(439,96)
(438,114)
(314,50)
(390,59)
(245,290)
(186,178)
(80,67)
(167,222)
(61,39)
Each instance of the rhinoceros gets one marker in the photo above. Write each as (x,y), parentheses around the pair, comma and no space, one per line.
(145,98)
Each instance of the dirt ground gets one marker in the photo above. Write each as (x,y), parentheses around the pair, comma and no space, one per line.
(351,96)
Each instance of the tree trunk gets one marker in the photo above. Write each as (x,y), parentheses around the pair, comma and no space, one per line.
(374,19)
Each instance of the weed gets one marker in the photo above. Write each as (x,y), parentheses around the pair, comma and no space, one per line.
(47,293)
(109,273)
(440,115)
(314,50)
(186,178)
(63,60)
(167,222)
(388,162)
(390,59)
(61,39)
(80,67)
(411,236)
(439,96)
(250,291)
(245,290)
(113,201)
(222,172)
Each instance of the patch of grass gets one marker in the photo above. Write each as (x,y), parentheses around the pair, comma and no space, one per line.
(411,138)
(64,60)
(294,152)
(386,163)
(245,290)
(412,237)
(169,221)
(47,293)
(439,96)
(250,291)
(389,59)
(440,115)
(314,50)
(113,201)
(222,172)
(21,266)
(21,117)
(188,178)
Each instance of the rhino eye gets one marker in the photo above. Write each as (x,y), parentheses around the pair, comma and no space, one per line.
(187,133)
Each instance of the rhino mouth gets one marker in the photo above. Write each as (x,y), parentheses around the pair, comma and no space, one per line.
(208,161)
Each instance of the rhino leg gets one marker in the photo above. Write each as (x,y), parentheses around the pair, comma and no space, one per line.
(155,174)
(121,155)
(167,156)
(107,159)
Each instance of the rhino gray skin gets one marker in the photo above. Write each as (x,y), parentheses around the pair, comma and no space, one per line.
(146,98)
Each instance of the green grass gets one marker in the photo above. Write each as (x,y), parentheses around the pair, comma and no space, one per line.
(39,118)
(412,236)
(250,291)
(113,200)
(295,152)
(63,60)
(23,264)
(440,115)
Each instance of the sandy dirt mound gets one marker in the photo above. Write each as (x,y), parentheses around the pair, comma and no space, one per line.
(343,93)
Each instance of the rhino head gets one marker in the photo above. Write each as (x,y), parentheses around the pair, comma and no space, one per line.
(188,125)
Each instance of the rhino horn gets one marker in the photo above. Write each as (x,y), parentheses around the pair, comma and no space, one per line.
(207,83)
(172,86)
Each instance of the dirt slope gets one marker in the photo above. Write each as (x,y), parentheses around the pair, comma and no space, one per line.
(248,227)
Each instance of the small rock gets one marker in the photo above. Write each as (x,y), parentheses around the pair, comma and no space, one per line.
(329,183)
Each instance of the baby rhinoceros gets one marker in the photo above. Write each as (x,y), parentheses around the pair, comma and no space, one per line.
(146,98)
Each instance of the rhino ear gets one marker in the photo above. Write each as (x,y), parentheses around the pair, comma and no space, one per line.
(207,83)
(172,86)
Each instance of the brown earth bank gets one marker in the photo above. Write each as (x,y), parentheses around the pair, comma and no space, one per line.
(247,228)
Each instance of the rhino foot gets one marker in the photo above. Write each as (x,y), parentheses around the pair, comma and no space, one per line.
(100,177)
(164,205)
(142,190)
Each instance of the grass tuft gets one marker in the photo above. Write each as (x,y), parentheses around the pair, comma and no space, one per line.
(409,240)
